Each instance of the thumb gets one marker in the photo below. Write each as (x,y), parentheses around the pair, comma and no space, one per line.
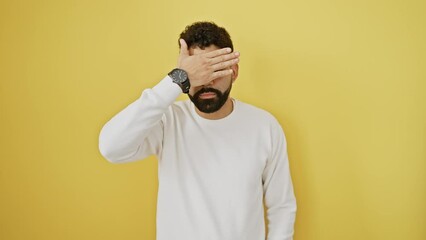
(183,47)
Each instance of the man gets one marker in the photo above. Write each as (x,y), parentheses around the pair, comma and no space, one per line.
(218,158)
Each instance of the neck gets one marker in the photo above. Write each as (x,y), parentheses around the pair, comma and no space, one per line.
(224,111)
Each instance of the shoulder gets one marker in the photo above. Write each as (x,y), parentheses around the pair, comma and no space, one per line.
(260,118)
(264,123)
(250,111)
(178,109)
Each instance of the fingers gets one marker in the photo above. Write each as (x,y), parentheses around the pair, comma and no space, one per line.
(222,65)
(221,73)
(218,52)
(183,47)
(206,66)
(223,58)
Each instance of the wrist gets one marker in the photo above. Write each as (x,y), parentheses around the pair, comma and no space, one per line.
(180,77)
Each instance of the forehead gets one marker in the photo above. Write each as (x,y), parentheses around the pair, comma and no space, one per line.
(197,50)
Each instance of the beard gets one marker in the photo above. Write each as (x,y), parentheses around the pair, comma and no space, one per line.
(213,104)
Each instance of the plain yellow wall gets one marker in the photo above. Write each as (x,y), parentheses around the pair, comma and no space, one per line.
(346,79)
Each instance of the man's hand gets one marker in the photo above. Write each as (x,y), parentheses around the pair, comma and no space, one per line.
(205,67)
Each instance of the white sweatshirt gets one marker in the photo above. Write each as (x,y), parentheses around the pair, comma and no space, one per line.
(213,174)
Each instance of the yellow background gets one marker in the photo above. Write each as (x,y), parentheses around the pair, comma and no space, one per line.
(346,79)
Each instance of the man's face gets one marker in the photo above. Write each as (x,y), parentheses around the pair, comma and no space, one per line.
(211,97)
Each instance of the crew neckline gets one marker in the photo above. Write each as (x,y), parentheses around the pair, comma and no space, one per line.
(224,119)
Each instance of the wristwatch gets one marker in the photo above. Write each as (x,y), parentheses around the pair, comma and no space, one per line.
(180,77)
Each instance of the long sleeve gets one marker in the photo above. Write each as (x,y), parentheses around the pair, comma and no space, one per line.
(278,189)
(136,131)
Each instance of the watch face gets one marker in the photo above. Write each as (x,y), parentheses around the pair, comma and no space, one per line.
(179,75)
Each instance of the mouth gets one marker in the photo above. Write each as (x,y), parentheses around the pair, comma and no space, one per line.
(207,95)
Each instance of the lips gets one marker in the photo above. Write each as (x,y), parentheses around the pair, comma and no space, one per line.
(207,95)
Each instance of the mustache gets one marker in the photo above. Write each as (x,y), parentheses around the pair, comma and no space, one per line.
(206,90)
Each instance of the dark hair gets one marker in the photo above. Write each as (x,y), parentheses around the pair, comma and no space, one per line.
(204,34)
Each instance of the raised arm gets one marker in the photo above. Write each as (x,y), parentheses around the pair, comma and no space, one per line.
(136,132)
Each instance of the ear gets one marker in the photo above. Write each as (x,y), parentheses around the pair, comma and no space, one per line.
(235,72)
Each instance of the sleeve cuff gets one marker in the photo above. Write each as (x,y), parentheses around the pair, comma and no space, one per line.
(167,89)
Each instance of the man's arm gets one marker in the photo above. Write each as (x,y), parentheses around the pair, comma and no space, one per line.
(136,132)
(278,189)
